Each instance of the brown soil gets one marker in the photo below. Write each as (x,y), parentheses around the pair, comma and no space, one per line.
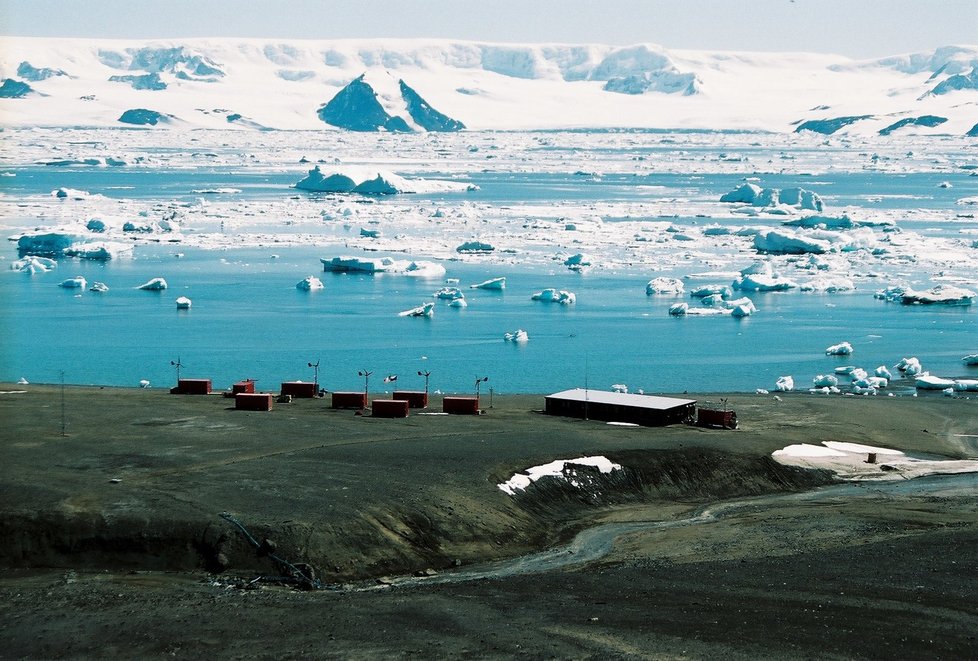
(111,534)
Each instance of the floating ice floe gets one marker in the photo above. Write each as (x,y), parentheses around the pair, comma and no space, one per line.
(99,287)
(827,285)
(344,264)
(619,388)
(370,234)
(784,384)
(458,303)
(32,264)
(156,284)
(519,336)
(183,303)
(553,296)
(561,468)
(841,349)
(970,359)
(310,283)
(497,284)
(883,373)
(144,383)
(941,294)
(966,385)
(423,310)
(663,285)
(78,282)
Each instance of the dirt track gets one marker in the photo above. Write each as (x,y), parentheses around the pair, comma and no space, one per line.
(359,498)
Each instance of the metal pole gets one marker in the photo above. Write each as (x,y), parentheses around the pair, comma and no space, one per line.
(63,422)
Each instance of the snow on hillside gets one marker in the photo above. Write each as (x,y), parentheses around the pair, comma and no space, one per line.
(254,83)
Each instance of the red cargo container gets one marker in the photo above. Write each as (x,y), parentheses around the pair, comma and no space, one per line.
(390,408)
(416,399)
(717,419)
(461,405)
(349,400)
(250,401)
(299,389)
(243,386)
(192,387)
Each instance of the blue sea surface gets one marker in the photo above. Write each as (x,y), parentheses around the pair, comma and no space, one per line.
(249,321)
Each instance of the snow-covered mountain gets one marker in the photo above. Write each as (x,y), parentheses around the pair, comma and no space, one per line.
(393,84)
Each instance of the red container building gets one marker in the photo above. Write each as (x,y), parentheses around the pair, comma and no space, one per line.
(247,386)
(416,399)
(390,408)
(299,389)
(349,400)
(461,405)
(249,401)
(192,387)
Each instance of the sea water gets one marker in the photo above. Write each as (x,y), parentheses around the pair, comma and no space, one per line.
(248,320)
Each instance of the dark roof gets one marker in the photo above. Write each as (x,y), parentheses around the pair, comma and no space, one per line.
(621,399)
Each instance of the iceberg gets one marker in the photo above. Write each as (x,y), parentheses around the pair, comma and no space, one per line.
(578,262)
(883,373)
(419,269)
(32,264)
(310,283)
(759,282)
(368,181)
(723,291)
(841,349)
(156,284)
(449,293)
(928,382)
(784,384)
(519,336)
(458,303)
(663,285)
(475,248)
(495,284)
(99,287)
(183,303)
(966,385)
(78,282)
(825,380)
(970,359)
(98,250)
(789,243)
(910,366)
(423,310)
(46,244)
(553,296)
(827,285)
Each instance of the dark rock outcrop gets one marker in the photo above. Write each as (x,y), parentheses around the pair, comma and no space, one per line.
(829,126)
(14,89)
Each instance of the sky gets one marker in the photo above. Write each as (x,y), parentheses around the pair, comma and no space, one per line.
(856,28)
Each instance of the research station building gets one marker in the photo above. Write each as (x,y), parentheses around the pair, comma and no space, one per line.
(646,410)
